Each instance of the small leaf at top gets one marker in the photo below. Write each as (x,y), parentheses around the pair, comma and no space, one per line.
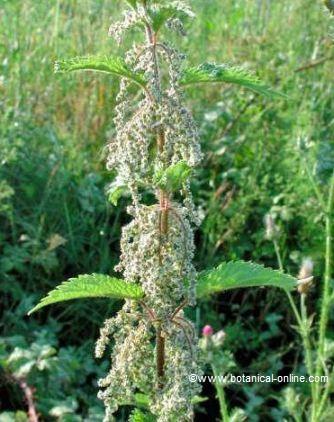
(173,178)
(172,10)
(91,285)
(240,274)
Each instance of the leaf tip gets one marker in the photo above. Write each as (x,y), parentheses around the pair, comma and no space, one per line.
(32,311)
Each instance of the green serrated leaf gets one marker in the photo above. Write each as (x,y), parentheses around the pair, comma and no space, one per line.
(222,73)
(106,64)
(138,415)
(173,178)
(91,285)
(240,274)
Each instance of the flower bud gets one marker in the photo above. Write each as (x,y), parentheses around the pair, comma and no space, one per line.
(305,276)
(271,228)
(207,331)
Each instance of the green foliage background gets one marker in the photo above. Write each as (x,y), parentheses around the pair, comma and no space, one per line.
(55,221)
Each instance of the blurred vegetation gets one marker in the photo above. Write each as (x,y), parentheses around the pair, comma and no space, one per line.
(55,220)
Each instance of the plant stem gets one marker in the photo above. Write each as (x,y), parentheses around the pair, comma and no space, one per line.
(326,298)
(28,393)
(160,357)
(163,226)
(327,276)
(316,189)
(307,343)
(292,302)
(304,332)
(278,255)
(306,336)
(295,310)
(323,400)
(221,396)
(302,322)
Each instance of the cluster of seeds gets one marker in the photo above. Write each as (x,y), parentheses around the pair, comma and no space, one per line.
(174,402)
(133,363)
(161,264)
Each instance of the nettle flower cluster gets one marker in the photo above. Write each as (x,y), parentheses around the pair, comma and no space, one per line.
(154,345)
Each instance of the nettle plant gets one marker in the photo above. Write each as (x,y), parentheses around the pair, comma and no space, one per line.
(155,150)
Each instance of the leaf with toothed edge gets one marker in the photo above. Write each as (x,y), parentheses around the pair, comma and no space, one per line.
(88,286)
(241,274)
(106,64)
(222,73)
(169,11)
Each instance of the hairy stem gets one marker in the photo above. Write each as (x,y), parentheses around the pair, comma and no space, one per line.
(326,299)
(305,335)
(302,322)
(29,398)
(278,255)
(307,342)
(221,396)
(315,187)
